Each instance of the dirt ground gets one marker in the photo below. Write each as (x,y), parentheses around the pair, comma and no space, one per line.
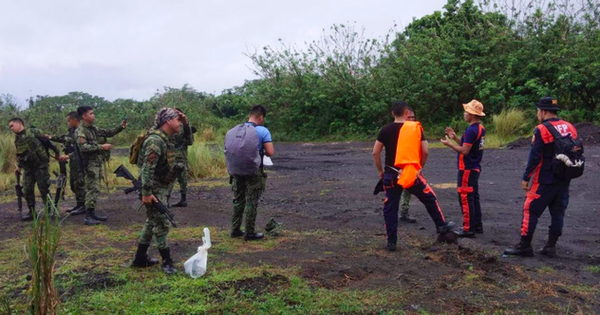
(326,192)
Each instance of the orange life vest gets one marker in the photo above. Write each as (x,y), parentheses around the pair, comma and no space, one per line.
(408,153)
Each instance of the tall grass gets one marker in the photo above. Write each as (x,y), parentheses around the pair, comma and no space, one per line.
(41,247)
(8,153)
(510,123)
(206,160)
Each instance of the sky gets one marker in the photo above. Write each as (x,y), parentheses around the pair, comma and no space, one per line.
(132,48)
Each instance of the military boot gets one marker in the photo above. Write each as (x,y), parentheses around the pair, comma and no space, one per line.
(550,248)
(141,259)
(182,203)
(98,217)
(522,249)
(89,218)
(253,236)
(167,262)
(237,233)
(408,219)
(78,209)
(29,215)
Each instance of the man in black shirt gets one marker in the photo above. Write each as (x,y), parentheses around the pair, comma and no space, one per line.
(388,138)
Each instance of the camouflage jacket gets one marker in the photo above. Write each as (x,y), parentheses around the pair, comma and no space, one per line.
(183,139)
(68,140)
(158,162)
(32,148)
(90,140)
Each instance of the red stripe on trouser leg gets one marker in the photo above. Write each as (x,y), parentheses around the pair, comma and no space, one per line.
(463,190)
(429,190)
(531,196)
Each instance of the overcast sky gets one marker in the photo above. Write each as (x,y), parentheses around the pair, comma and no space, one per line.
(129,49)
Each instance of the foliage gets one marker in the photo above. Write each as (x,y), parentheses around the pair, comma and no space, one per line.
(206,161)
(510,122)
(504,53)
(42,245)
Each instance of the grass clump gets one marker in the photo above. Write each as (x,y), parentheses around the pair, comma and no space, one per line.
(8,153)
(206,161)
(41,246)
(510,123)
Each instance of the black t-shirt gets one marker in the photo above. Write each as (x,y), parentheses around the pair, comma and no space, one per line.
(388,135)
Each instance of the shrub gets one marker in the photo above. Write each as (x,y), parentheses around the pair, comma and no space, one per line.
(8,153)
(206,161)
(510,123)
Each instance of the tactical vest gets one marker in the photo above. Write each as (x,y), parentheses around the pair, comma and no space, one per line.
(168,168)
(30,151)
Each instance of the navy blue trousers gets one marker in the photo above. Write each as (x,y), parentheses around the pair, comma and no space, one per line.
(393,192)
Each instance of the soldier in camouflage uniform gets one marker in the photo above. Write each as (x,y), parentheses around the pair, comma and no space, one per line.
(76,178)
(248,189)
(33,159)
(182,140)
(91,150)
(159,169)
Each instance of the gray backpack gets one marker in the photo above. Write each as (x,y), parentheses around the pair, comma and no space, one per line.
(241,150)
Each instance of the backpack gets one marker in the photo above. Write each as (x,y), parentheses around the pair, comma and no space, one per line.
(568,162)
(241,150)
(136,147)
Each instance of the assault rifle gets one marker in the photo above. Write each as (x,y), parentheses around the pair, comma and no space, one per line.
(61,182)
(122,171)
(19,190)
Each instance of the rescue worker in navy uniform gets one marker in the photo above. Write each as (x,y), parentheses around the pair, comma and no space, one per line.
(388,139)
(546,191)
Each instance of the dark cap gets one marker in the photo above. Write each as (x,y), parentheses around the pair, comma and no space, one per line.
(548,103)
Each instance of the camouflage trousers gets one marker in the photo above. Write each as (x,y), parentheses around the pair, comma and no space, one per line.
(157,224)
(77,182)
(246,194)
(39,176)
(92,179)
(182,180)
(405,203)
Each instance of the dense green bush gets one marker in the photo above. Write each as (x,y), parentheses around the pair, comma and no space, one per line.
(342,85)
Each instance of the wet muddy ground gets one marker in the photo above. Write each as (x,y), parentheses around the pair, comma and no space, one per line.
(324,192)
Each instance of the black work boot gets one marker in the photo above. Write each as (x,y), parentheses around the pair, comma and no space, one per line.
(478,229)
(391,246)
(237,233)
(141,259)
(467,234)
(408,219)
(522,249)
(89,218)
(78,209)
(97,217)
(167,262)
(182,203)
(550,248)
(253,236)
(29,215)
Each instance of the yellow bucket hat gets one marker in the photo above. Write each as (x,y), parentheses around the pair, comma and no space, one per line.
(474,107)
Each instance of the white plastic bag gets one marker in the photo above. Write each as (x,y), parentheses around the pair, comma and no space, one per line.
(195,267)
(267,161)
